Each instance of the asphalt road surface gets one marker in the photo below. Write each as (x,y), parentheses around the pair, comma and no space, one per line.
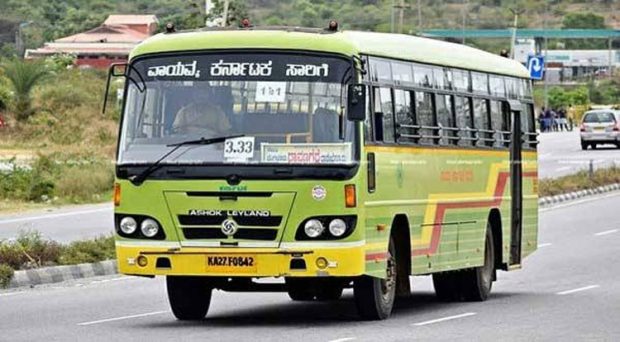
(569,290)
(63,225)
(560,154)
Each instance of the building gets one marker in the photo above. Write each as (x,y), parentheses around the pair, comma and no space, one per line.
(109,43)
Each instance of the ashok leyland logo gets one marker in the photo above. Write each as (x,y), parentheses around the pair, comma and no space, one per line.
(229,227)
(175,70)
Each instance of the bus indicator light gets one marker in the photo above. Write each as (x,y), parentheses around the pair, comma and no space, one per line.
(142,261)
(117,194)
(349,196)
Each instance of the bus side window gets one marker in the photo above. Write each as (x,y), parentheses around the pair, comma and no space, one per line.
(404,116)
(527,125)
(425,116)
(445,119)
(499,123)
(384,115)
(463,120)
(481,122)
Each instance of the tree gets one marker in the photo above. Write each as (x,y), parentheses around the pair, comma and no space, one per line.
(23,77)
(588,20)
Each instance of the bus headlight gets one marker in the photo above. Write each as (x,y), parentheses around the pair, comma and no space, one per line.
(337,227)
(313,228)
(128,225)
(149,228)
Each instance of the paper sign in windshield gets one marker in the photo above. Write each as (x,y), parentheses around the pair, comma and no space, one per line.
(306,153)
(239,149)
(270,92)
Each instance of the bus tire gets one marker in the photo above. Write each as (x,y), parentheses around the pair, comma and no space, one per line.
(374,297)
(477,282)
(300,289)
(329,289)
(189,297)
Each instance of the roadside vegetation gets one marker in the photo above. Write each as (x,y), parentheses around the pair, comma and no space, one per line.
(581,180)
(57,147)
(30,250)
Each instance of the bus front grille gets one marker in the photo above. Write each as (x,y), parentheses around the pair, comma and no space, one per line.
(242,233)
(254,221)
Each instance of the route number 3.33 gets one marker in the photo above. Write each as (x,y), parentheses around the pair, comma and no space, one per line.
(239,148)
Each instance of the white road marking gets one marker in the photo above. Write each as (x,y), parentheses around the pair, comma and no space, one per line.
(544,245)
(585,288)
(606,232)
(43,217)
(343,339)
(445,319)
(123,317)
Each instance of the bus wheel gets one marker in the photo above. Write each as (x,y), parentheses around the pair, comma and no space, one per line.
(300,289)
(329,289)
(189,297)
(477,282)
(374,297)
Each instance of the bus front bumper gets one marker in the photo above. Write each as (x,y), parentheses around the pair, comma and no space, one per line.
(241,262)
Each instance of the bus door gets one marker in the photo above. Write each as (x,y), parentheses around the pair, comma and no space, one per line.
(516,184)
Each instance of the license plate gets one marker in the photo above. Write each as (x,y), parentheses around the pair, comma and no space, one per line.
(231,263)
(599,128)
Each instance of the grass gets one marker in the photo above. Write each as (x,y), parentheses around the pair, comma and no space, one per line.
(30,250)
(578,181)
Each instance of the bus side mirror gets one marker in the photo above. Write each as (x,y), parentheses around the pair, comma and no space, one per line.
(118,69)
(356,106)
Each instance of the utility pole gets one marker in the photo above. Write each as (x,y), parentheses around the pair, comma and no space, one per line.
(419,15)
(401,14)
(546,78)
(464,13)
(516,12)
(392,17)
(225,22)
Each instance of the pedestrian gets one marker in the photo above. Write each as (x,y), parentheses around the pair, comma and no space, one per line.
(562,119)
(570,115)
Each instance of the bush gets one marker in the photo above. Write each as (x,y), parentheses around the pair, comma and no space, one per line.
(6,273)
(84,182)
(29,250)
(579,181)
(87,251)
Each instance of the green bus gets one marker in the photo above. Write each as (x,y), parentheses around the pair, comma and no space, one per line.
(325,159)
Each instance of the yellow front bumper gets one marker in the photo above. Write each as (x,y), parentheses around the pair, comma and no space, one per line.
(269,262)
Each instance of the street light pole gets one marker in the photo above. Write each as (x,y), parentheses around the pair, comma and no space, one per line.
(516,12)
(465,5)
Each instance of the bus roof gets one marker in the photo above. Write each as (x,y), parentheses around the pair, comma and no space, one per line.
(349,43)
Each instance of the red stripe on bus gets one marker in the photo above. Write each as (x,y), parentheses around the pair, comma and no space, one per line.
(442,207)
(376,256)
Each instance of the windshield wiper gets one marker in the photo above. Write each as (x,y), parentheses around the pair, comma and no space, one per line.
(137,180)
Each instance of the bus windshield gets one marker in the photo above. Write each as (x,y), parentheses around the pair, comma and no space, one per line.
(287,108)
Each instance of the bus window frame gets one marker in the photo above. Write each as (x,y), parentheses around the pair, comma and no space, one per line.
(472,131)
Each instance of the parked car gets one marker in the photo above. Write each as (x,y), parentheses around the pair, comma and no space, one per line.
(2,122)
(600,127)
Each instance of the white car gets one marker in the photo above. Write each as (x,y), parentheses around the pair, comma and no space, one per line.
(600,127)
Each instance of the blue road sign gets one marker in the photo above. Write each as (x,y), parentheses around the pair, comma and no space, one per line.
(536,66)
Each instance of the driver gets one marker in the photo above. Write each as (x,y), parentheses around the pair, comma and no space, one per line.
(201,117)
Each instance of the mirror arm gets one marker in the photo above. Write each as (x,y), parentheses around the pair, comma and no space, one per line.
(107,88)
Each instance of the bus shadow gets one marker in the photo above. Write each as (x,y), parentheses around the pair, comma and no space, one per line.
(335,313)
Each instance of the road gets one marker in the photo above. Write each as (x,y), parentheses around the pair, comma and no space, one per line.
(560,154)
(568,290)
(63,225)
